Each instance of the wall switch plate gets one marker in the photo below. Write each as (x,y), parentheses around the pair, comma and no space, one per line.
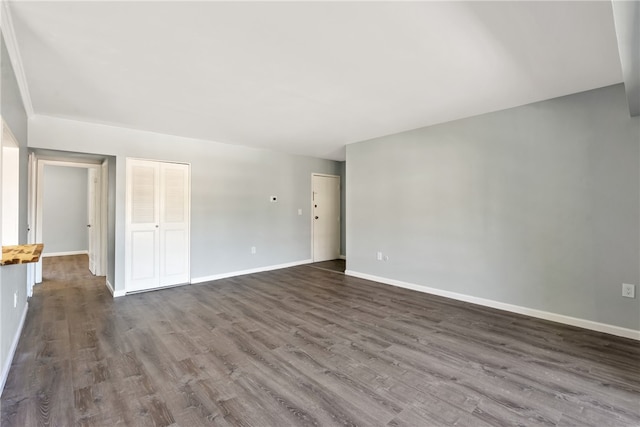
(299,211)
(273,199)
(253,250)
(628,291)
(379,256)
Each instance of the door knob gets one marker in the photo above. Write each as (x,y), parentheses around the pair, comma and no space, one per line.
(316,217)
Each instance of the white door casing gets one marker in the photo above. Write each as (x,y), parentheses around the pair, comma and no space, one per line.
(104,222)
(325,217)
(157,225)
(31,213)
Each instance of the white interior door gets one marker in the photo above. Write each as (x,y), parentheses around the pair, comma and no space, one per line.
(157,224)
(174,223)
(93,225)
(326,217)
(142,265)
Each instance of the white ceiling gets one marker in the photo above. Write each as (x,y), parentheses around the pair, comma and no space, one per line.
(306,78)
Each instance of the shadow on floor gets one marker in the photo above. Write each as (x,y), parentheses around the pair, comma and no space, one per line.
(336,265)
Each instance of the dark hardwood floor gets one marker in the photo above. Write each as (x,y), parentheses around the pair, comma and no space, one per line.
(304,346)
(337,265)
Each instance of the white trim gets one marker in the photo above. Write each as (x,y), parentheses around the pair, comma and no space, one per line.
(70,163)
(114,293)
(343,257)
(32,170)
(250,271)
(52,254)
(532,312)
(104,216)
(12,350)
(16,59)
(12,141)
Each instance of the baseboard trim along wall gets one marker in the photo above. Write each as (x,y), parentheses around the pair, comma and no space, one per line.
(554,317)
(12,350)
(51,254)
(115,294)
(250,271)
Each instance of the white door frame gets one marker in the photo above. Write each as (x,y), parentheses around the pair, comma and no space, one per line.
(312,209)
(99,232)
(32,178)
(104,217)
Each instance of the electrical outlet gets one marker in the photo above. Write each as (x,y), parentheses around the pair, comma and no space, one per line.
(253,250)
(15,299)
(379,256)
(628,291)
(299,211)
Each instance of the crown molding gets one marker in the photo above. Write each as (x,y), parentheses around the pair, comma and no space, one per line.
(8,32)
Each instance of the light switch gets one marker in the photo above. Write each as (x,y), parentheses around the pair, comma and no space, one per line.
(299,211)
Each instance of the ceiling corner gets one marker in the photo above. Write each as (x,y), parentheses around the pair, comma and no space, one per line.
(9,35)
(626,15)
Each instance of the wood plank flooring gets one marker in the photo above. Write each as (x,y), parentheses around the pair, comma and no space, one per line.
(304,347)
(337,265)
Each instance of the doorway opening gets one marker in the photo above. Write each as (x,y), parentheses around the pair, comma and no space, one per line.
(68,207)
(10,187)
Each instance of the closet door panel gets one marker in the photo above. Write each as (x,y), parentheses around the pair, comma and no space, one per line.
(142,268)
(174,220)
(157,225)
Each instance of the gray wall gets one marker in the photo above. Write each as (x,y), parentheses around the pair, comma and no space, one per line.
(64,213)
(230,189)
(537,206)
(13,278)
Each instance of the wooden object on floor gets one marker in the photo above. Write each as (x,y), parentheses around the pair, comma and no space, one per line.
(21,254)
(308,347)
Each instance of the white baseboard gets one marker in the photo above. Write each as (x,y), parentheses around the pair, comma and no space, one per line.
(342,257)
(250,271)
(115,294)
(52,254)
(532,312)
(12,351)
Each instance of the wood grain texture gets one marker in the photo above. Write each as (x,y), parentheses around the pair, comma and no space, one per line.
(337,265)
(21,254)
(304,346)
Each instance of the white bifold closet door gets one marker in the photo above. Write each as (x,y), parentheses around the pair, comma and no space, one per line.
(157,225)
